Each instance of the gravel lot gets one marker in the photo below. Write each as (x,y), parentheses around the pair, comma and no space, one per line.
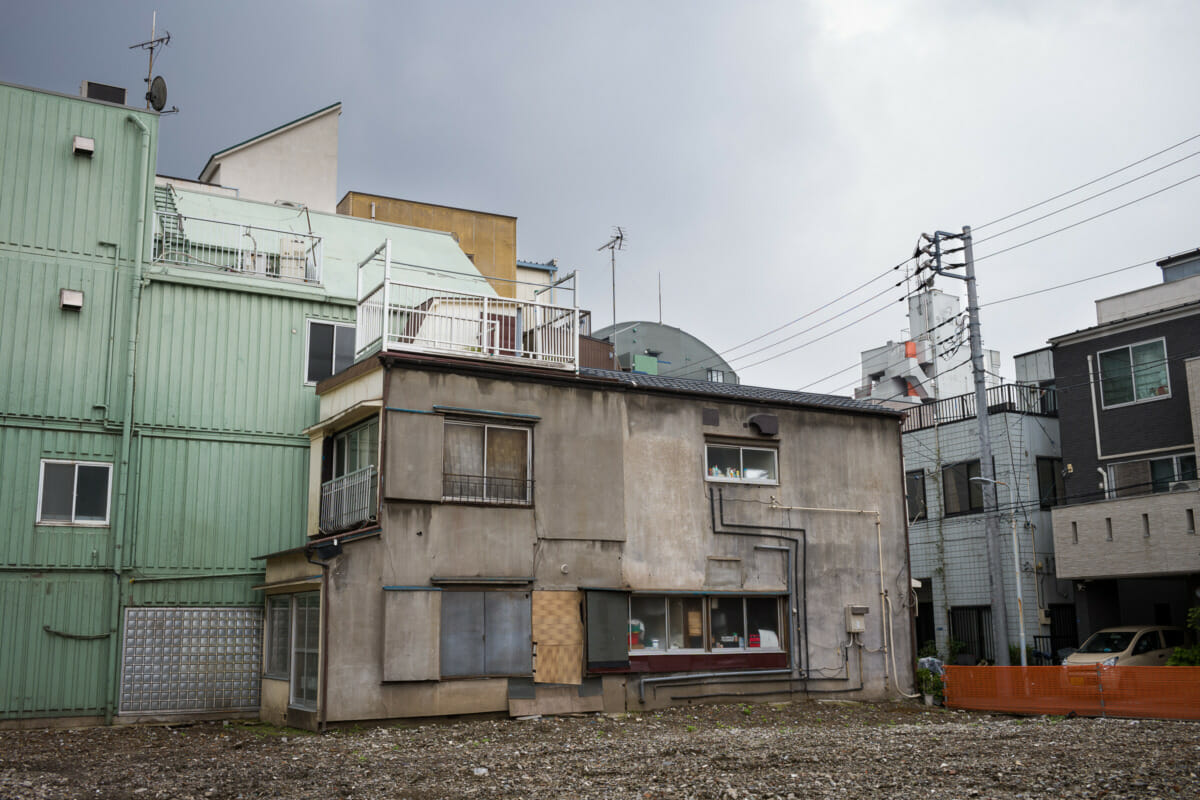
(795,750)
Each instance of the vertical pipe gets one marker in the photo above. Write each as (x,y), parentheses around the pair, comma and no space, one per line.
(122,516)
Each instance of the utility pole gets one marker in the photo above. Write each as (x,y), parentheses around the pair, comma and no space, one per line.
(987,471)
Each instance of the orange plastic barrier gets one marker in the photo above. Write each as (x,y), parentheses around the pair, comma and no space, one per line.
(1093,691)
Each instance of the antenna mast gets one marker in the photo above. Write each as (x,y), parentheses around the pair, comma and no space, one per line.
(617,242)
(151,44)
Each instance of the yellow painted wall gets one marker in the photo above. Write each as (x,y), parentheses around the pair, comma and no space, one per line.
(490,240)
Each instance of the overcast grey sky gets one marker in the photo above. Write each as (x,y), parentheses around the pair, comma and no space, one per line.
(765,158)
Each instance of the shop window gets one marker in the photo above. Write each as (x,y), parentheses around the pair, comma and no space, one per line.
(683,623)
(1133,374)
(742,464)
(73,493)
(487,464)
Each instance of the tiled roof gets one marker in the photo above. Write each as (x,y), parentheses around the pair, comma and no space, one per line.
(737,391)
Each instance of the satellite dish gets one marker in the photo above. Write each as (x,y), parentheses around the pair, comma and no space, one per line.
(158,93)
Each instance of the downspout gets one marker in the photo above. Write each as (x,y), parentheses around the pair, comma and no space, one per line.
(322,639)
(123,477)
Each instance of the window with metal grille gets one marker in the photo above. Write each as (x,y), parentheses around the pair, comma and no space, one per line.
(484,463)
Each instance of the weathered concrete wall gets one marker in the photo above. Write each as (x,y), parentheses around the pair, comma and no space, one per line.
(622,501)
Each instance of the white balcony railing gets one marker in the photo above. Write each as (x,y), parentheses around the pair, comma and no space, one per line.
(462,323)
(348,500)
(232,247)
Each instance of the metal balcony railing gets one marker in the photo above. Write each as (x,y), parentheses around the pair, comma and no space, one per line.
(458,322)
(348,500)
(1011,397)
(487,489)
(232,247)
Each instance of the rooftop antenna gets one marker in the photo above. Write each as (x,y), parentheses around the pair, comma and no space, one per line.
(156,88)
(617,242)
(660,297)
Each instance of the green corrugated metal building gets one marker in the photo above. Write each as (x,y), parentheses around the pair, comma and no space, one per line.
(158,345)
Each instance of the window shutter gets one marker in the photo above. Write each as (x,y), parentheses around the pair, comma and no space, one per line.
(607,630)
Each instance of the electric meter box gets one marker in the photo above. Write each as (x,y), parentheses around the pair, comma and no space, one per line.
(856,619)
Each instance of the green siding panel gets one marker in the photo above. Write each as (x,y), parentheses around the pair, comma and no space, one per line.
(43,673)
(214,505)
(208,591)
(219,360)
(53,200)
(25,543)
(61,364)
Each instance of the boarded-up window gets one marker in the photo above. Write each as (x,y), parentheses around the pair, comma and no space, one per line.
(485,633)
(410,635)
(607,630)
(558,634)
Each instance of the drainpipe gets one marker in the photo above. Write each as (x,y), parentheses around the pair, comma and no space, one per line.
(123,517)
(885,602)
(322,639)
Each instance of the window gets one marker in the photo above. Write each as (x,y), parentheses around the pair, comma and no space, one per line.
(356,449)
(1050,481)
(971,627)
(1134,373)
(660,624)
(330,350)
(349,486)
(742,464)
(962,495)
(914,491)
(306,637)
(74,493)
(279,616)
(487,464)
(716,375)
(1166,471)
(486,633)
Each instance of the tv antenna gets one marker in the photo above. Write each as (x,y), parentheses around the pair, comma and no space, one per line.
(156,88)
(617,242)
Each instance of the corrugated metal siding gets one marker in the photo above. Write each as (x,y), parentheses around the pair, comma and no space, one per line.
(44,674)
(23,542)
(55,363)
(53,200)
(209,591)
(226,360)
(205,504)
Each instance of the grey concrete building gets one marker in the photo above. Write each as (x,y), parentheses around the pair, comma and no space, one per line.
(532,537)
(947,524)
(1129,396)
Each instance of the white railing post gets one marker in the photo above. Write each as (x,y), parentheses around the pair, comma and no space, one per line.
(386,323)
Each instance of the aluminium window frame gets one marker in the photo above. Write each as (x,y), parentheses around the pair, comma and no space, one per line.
(923,514)
(74,523)
(308,323)
(706,623)
(1132,378)
(485,425)
(272,670)
(970,484)
(294,652)
(741,448)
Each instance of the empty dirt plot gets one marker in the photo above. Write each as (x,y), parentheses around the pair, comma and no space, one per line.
(796,750)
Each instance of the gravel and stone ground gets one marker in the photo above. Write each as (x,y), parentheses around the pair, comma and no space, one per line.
(796,750)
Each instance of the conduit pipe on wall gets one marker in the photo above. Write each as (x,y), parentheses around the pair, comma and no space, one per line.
(887,632)
(123,517)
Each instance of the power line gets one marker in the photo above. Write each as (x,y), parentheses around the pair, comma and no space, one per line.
(1089,183)
(1088,219)
(1069,283)
(1086,199)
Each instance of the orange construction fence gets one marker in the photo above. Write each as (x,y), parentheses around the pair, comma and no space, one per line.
(1091,691)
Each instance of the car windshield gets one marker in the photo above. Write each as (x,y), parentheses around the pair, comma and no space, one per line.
(1107,642)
